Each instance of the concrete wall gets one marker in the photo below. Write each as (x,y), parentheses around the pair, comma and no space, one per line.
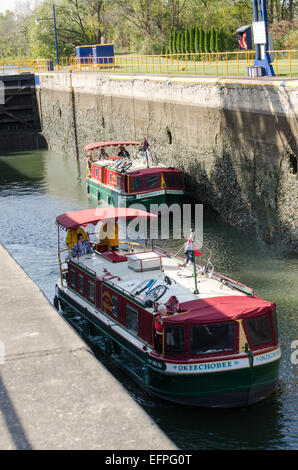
(19,117)
(236,141)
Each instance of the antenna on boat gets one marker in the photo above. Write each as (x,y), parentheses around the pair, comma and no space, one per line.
(192,238)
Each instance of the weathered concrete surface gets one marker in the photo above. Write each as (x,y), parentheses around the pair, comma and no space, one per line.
(53,393)
(236,140)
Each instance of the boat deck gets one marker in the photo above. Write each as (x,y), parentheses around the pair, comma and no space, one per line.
(181,278)
(137,164)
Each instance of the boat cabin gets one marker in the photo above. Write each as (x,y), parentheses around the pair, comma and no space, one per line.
(129,176)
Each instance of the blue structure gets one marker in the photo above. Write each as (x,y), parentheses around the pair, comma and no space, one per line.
(96,54)
(260,30)
(244,38)
(103,54)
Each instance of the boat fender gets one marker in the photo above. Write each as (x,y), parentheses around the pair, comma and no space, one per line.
(56,303)
(250,355)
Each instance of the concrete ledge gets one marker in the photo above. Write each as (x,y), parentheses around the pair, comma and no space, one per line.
(53,393)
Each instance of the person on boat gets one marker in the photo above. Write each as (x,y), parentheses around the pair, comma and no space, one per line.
(123,152)
(188,251)
(103,154)
(82,247)
(159,326)
(72,237)
(145,144)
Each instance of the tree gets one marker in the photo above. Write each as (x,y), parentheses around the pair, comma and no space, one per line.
(197,40)
(178,39)
(174,39)
(207,41)
(212,40)
(186,40)
(202,39)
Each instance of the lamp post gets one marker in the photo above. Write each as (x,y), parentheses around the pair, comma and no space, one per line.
(55,30)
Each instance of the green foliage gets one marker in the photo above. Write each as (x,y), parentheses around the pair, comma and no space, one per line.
(186,40)
(197,40)
(143,26)
(202,40)
(285,35)
(174,39)
(207,41)
(212,40)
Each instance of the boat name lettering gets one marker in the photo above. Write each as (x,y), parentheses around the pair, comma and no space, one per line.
(107,301)
(156,364)
(267,357)
(200,367)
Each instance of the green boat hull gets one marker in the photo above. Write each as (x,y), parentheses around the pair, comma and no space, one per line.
(114,198)
(223,389)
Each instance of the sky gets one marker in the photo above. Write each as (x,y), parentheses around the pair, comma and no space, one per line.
(8,4)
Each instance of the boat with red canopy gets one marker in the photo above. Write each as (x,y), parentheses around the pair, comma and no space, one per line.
(124,179)
(183,332)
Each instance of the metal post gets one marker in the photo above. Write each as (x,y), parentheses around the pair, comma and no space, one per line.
(56,40)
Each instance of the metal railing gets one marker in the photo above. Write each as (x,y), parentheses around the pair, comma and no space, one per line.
(16,67)
(285,64)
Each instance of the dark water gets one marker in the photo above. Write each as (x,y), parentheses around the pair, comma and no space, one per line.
(36,187)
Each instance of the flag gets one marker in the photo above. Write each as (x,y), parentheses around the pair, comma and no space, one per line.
(190,246)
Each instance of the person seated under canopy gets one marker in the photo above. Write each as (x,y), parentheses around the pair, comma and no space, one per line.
(72,237)
(123,152)
(81,247)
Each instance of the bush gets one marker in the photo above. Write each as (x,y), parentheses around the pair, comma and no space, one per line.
(285,34)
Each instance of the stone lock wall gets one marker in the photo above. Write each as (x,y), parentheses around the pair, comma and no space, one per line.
(236,141)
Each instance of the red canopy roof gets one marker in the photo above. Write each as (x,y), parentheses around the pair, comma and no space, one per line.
(220,309)
(75,219)
(97,145)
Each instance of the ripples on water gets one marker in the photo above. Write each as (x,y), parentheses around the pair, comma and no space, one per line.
(36,187)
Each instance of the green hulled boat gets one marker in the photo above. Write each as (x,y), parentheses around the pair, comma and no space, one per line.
(122,180)
(185,334)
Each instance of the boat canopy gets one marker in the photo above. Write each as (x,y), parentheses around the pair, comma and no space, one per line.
(75,219)
(220,309)
(98,145)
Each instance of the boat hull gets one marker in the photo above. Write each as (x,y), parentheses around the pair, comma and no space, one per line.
(101,193)
(227,388)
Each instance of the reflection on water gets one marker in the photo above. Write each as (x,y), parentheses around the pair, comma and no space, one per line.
(36,187)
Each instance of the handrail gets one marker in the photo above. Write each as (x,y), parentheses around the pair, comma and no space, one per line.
(227,63)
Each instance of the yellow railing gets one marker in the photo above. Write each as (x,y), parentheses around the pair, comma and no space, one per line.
(285,64)
(15,67)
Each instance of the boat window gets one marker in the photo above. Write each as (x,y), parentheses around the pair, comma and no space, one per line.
(136,183)
(151,181)
(91,290)
(179,179)
(131,319)
(114,306)
(81,283)
(72,275)
(174,340)
(96,172)
(212,338)
(170,179)
(275,325)
(118,181)
(259,330)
